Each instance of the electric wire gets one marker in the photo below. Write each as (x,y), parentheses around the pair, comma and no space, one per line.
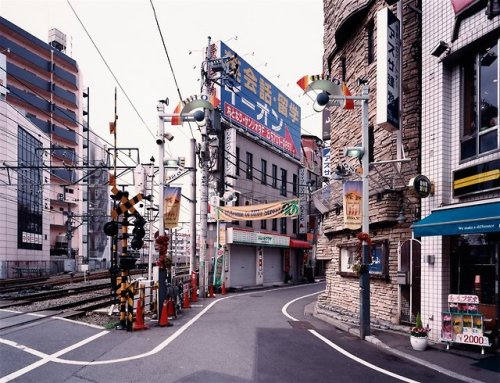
(109,69)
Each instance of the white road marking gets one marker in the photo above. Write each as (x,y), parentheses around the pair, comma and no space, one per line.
(340,349)
(45,358)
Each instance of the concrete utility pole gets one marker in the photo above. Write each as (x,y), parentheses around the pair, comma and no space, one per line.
(192,260)
(204,184)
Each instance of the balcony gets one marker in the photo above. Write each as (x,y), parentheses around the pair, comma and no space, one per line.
(65,134)
(27,77)
(25,55)
(65,114)
(65,154)
(66,95)
(66,76)
(28,98)
(66,175)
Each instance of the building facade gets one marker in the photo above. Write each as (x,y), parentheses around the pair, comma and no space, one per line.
(361,38)
(44,86)
(460,231)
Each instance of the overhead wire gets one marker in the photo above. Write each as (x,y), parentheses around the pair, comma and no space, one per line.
(109,69)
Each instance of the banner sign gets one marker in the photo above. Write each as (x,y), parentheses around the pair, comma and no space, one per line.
(352,204)
(252,102)
(252,237)
(171,206)
(280,209)
(388,70)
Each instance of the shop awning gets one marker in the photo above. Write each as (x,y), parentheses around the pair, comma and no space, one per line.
(484,218)
(298,244)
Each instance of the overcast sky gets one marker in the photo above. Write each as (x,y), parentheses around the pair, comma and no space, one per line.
(282,39)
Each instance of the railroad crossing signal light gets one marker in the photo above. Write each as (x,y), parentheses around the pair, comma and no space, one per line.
(111,228)
(138,232)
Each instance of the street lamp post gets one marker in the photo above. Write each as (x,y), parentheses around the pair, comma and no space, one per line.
(333,92)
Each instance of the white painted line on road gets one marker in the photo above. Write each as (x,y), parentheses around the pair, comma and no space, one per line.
(45,358)
(340,349)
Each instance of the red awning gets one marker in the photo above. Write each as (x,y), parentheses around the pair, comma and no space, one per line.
(298,244)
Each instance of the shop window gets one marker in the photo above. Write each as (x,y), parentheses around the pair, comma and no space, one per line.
(349,260)
(479,75)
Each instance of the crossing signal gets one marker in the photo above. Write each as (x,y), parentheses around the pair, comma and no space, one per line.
(111,228)
(138,232)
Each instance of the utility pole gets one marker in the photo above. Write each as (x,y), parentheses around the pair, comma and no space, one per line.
(204,184)
(192,260)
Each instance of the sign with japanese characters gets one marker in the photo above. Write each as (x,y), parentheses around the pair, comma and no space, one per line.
(388,70)
(253,103)
(326,163)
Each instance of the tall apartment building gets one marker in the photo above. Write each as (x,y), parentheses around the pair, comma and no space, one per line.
(44,86)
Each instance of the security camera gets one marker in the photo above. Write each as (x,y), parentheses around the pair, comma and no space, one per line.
(169,136)
(159,140)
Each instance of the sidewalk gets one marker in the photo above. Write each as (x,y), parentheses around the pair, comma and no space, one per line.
(461,362)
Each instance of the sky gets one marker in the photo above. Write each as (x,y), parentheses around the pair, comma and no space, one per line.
(282,39)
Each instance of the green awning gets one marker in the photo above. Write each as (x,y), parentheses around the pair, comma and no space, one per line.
(475,219)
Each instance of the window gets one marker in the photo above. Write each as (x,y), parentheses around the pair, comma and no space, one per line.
(295,185)
(263,171)
(237,161)
(283,225)
(295,226)
(274,175)
(283,182)
(479,75)
(275,224)
(248,223)
(349,260)
(29,192)
(263,224)
(249,168)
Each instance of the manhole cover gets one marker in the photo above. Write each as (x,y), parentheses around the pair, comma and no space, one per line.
(303,325)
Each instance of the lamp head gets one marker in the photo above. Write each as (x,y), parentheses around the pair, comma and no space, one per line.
(322,99)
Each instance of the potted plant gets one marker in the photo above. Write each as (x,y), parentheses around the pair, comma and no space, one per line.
(418,335)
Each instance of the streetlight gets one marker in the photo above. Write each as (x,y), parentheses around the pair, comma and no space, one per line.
(334,92)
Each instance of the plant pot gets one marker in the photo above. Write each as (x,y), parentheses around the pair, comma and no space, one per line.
(418,343)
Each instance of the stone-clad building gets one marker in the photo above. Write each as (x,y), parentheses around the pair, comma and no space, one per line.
(353,53)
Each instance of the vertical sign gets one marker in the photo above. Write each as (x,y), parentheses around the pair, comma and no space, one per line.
(302,207)
(326,163)
(352,204)
(3,76)
(171,206)
(388,70)
(230,156)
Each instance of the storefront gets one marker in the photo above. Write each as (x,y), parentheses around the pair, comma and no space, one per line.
(262,259)
(472,240)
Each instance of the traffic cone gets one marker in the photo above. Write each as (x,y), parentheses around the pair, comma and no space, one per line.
(223,288)
(139,317)
(185,302)
(171,308)
(164,316)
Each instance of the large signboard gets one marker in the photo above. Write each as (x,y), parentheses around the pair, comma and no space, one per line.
(253,103)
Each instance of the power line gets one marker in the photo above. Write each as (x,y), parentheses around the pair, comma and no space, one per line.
(110,70)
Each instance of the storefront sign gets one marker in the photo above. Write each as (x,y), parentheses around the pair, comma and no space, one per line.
(256,238)
(476,179)
(421,185)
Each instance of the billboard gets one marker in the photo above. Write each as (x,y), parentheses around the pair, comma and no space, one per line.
(252,102)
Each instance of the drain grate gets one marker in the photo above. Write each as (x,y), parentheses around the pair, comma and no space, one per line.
(301,325)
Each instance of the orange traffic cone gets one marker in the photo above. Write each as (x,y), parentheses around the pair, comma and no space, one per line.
(185,302)
(171,308)
(211,291)
(139,317)
(223,288)
(164,316)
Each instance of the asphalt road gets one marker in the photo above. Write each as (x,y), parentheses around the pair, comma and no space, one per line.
(257,336)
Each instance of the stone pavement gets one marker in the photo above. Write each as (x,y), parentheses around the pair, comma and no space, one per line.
(461,362)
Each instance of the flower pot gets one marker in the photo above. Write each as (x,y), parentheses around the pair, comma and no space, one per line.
(418,343)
